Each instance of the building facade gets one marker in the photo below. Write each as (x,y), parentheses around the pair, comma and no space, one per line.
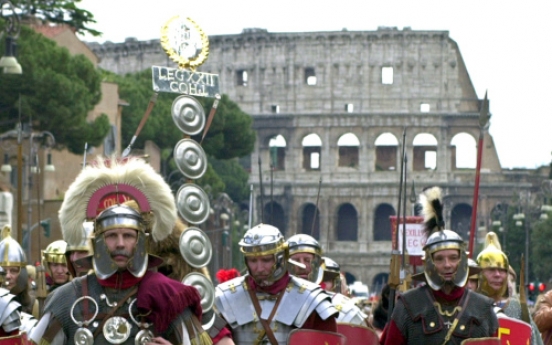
(330,110)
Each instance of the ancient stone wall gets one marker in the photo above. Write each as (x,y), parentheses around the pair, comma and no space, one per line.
(364,85)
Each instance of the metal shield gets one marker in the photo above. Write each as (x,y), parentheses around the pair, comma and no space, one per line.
(190,158)
(356,334)
(314,337)
(195,247)
(513,331)
(204,287)
(192,203)
(188,115)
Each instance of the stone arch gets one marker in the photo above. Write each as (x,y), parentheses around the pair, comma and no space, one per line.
(348,148)
(386,152)
(312,149)
(464,151)
(277,150)
(378,282)
(425,152)
(347,223)
(349,277)
(460,219)
(274,215)
(307,218)
(382,224)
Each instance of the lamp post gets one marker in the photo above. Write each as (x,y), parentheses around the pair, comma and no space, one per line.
(9,62)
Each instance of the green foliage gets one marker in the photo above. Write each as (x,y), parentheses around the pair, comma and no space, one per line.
(541,250)
(230,135)
(234,177)
(57,92)
(58,12)
(514,245)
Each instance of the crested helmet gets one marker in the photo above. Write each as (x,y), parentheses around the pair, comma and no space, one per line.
(438,239)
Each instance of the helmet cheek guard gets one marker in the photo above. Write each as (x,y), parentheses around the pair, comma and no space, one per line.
(303,243)
(117,217)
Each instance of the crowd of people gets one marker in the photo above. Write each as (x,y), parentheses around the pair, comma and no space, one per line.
(113,279)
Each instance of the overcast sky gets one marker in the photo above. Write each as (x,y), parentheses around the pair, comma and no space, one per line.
(506,45)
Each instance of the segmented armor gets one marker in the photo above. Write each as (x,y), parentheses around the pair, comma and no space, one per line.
(301,298)
(349,312)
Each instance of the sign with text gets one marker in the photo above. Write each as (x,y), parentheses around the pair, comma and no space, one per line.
(185,82)
(414,235)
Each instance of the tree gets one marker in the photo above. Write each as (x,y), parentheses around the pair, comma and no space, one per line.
(57,12)
(541,251)
(57,92)
(230,135)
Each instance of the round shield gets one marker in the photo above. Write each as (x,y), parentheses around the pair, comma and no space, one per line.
(192,203)
(204,287)
(188,115)
(195,247)
(190,158)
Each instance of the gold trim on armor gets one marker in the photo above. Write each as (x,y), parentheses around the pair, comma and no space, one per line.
(447,313)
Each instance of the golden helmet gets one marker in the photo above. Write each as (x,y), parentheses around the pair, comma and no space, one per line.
(54,253)
(492,257)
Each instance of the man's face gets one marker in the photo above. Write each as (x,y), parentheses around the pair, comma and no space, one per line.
(260,267)
(60,274)
(75,255)
(495,277)
(306,259)
(12,273)
(121,244)
(446,262)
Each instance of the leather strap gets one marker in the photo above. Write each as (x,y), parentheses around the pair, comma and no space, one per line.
(265,323)
(114,309)
(455,322)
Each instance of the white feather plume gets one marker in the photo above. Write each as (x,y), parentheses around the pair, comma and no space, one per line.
(134,172)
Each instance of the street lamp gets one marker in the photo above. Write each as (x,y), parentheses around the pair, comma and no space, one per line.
(9,62)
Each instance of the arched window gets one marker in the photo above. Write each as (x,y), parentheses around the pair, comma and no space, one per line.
(460,220)
(307,218)
(277,147)
(348,145)
(347,223)
(425,152)
(312,147)
(382,224)
(274,215)
(386,152)
(464,151)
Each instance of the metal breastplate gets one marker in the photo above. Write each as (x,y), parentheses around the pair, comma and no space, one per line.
(301,298)
(119,328)
(348,310)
